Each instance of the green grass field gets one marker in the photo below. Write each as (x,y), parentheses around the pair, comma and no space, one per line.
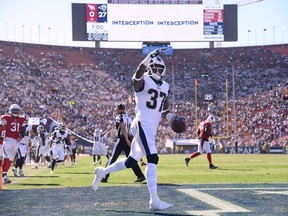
(241,168)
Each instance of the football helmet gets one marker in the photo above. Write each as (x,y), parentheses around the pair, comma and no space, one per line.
(40,128)
(211,119)
(14,110)
(62,126)
(156,68)
(98,131)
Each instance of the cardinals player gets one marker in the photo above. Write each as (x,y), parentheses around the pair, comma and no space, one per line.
(2,136)
(22,147)
(204,133)
(13,127)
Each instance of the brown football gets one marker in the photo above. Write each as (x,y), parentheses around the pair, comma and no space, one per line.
(178,125)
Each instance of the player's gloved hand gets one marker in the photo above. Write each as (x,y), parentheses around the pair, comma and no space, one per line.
(158,52)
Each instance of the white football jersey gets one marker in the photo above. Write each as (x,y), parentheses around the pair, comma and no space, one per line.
(59,137)
(149,101)
(27,136)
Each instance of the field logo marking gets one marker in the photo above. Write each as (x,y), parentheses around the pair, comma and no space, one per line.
(220,205)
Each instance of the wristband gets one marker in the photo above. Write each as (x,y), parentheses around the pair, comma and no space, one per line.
(146,61)
(138,79)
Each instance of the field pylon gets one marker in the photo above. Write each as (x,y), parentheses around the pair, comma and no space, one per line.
(1,178)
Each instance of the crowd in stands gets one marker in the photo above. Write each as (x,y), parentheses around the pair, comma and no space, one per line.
(81,86)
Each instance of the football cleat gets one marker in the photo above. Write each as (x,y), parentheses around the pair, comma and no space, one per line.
(21,173)
(5,180)
(104,180)
(97,179)
(158,206)
(211,166)
(15,172)
(140,179)
(187,159)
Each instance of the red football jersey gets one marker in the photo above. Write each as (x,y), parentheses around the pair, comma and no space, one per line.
(2,135)
(13,126)
(205,129)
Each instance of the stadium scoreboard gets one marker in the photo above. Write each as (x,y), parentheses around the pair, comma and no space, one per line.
(104,21)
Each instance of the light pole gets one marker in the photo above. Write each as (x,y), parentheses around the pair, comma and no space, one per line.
(274,34)
(39,33)
(6,29)
(264,30)
(283,31)
(249,37)
(49,35)
(14,33)
(23,29)
(30,34)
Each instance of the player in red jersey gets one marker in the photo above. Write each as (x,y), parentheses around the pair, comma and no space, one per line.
(13,127)
(2,136)
(204,133)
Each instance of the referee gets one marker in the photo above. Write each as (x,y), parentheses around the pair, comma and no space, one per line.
(122,142)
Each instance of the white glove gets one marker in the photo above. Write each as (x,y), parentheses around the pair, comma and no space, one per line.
(157,52)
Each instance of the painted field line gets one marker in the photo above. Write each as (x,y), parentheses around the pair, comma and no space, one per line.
(220,205)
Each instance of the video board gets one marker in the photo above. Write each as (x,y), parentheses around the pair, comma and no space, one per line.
(154,22)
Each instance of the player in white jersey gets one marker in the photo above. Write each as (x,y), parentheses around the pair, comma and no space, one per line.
(60,140)
(151,106)
(27,133)
(42,147)
(99,147)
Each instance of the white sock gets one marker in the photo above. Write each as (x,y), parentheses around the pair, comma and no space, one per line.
(151,178)
(116,166)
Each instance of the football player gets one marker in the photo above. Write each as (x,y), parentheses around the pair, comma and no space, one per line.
(204,133)
(74,148)
(123,143)
(69,153)
(60,140)
(14,124)
(26,133)
(42,147)
(2,136)
(151,97)
(99,146)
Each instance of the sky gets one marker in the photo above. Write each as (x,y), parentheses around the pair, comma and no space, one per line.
(49,22)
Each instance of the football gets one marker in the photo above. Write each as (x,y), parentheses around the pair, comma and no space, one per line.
(178,125)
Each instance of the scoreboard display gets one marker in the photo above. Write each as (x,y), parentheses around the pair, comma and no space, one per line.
(105,21)
(213,21)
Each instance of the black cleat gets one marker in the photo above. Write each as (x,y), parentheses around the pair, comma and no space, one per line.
(140,179)
(187,161)
(211,166)
(103,180)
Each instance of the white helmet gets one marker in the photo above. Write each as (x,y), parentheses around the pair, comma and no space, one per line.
(211,119)
(62,126)
(14,110)
(156,68)
(40,128)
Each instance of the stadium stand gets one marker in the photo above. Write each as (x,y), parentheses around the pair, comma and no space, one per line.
(82,85)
